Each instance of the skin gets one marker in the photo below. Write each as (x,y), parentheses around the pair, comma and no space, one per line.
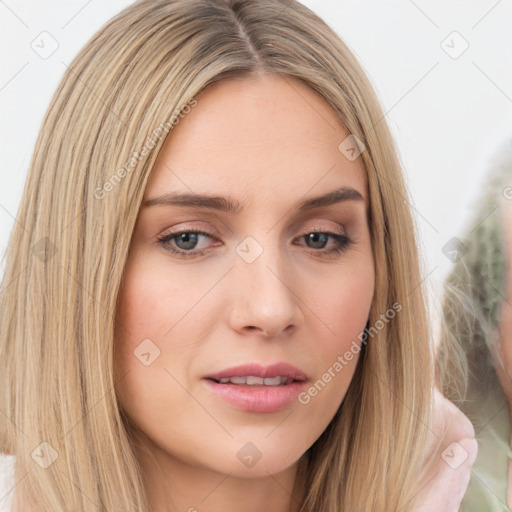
(268,143)
(505,347)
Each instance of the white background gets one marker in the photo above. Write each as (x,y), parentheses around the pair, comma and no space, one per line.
(447,114)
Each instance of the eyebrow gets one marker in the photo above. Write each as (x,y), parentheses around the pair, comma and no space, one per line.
(229,205)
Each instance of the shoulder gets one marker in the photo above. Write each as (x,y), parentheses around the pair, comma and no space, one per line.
(450,453)
(7,463)
(449,420)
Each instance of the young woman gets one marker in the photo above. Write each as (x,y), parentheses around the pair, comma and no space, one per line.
(212,295)
(478,320)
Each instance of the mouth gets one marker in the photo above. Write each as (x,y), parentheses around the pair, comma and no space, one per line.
(256,388)
(252,380)
(254,374)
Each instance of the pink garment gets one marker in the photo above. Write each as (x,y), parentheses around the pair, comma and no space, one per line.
(444,486)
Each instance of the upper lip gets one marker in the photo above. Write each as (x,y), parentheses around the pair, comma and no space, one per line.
(258,370)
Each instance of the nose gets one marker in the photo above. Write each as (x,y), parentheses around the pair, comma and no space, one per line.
(264,301)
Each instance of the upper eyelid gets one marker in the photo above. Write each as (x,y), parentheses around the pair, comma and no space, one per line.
(201,225)
(206,232)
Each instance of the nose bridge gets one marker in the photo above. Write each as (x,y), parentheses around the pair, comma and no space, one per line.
(264,296)
(262,267)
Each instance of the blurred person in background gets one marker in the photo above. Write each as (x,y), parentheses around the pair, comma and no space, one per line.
(475,359)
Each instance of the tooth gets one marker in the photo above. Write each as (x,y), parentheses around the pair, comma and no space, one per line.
(272,381)
(238,380)
(254,380)
(251,380)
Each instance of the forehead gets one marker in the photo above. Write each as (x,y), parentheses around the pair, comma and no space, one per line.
(272,136)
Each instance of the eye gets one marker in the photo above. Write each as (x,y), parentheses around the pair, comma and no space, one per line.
(320,238)
(184,240)
(184,243)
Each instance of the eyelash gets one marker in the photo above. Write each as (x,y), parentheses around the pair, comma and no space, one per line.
(343,242)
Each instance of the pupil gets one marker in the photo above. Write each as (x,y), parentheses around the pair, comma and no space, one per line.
(190,239)
(315,236)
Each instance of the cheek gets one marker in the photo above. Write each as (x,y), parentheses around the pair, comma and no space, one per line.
(147,379)
(158,305)
(142,315)
(343,309)
(343,306)
(148,302)
(160,320)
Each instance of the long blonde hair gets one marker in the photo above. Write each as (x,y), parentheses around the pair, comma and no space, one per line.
(122,93)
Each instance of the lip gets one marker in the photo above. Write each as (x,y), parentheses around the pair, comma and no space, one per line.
(258,398)
(274,370)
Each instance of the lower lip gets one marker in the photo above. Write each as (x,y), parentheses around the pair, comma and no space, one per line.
(257,398)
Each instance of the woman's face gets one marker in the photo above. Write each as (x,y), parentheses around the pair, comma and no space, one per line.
(251,288)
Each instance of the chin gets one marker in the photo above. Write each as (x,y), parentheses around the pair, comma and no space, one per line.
(262,469)
(257,460)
